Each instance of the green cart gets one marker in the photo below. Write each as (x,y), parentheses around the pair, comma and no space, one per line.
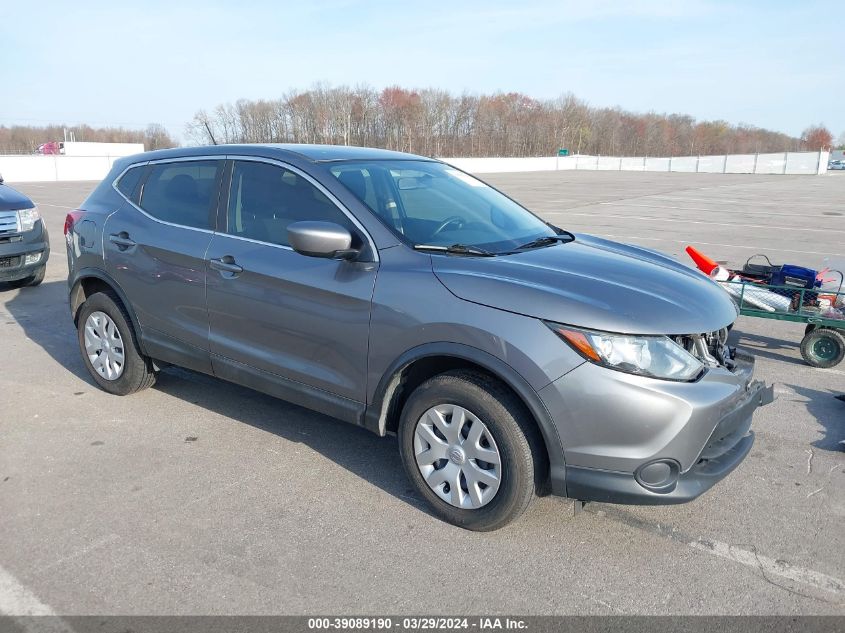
(821,310)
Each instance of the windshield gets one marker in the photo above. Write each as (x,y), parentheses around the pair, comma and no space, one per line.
(428,203)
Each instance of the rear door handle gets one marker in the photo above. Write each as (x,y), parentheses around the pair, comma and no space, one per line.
(226,264)
(121,240)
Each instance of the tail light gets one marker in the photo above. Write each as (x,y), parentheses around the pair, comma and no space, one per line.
(70,220)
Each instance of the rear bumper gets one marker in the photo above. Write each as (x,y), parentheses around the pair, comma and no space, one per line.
(15,248)
(634,440)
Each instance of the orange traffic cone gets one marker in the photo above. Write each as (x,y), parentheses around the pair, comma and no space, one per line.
(704,263)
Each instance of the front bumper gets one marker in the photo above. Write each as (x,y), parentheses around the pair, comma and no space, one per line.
(14,249)
(629,439)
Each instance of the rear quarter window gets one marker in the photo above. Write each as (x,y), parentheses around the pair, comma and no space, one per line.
(127,184)
(183,192)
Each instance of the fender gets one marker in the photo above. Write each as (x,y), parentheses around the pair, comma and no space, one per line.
(87,273)
(375,417)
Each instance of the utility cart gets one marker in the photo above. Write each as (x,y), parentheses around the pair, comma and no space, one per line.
(822,310)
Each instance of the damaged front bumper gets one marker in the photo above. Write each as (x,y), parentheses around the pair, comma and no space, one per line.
(635,440)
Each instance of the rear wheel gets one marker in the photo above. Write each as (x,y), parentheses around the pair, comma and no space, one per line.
(109,349)
(471,450)
(33,280)
(823,347)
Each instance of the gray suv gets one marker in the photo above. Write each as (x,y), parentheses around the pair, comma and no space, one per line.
(510,357)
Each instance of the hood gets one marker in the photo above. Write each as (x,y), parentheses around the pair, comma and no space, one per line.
(593,283)
(11,200)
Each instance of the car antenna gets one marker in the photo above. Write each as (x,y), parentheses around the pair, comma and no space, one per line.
(210,133)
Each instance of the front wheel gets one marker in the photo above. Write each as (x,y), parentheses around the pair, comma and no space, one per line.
(823,347)
(471,450)
(109,349)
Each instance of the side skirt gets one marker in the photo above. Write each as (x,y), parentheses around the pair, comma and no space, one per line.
(289,390)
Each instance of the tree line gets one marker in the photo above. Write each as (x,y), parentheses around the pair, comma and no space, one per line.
(434,122)
(25,139)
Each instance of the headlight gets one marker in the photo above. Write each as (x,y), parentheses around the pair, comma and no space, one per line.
(653,356)
(28,218)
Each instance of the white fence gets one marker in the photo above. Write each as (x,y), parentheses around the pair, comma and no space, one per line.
(55,167)
(61,168)
(814,163)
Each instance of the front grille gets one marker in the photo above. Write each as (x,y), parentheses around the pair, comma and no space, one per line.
(9,222)
(10,262)
(711,348)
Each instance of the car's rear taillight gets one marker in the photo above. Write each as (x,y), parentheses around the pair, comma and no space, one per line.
(70,220)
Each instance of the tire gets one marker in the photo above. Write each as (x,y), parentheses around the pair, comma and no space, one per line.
(33,280)
(136,370)
(507,428)
(823,347)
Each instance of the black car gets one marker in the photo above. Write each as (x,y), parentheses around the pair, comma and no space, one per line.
(24,243)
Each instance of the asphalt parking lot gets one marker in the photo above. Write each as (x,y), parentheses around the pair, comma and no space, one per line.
(200,497)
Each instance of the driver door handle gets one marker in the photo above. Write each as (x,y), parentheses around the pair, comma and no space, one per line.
(226,264)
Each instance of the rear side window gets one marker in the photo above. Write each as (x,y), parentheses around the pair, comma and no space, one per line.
(183,192)
(128,183)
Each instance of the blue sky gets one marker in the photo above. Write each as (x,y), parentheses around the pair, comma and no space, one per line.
(774,64)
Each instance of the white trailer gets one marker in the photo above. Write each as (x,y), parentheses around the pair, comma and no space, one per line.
(75,148)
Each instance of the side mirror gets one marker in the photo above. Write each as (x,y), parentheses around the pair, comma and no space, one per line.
(321,239)
(1,179)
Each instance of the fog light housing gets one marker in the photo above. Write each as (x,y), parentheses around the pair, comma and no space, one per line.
(659,476)
(32,258)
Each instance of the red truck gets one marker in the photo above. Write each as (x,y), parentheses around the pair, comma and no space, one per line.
(51,147)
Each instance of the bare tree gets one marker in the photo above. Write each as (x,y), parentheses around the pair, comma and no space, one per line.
(25,139)
(816,137)
(434,122)
(157,137)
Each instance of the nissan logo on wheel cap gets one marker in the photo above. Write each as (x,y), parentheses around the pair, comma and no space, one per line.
(457,455)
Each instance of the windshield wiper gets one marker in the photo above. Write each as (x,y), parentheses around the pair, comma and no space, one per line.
(455,249)
(548,240)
